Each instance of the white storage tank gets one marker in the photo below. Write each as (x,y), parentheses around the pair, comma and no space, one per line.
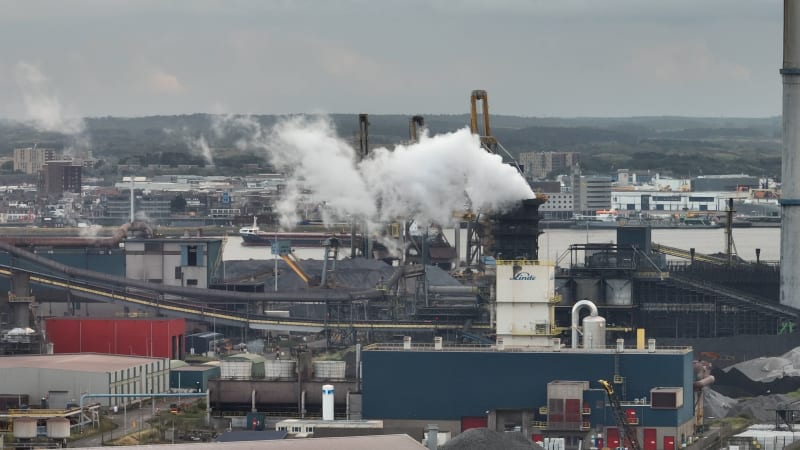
(236,369)
(618,292)
(25,428)
(58,428)
(329,370)
(327,402)
(280,368)
(594,332)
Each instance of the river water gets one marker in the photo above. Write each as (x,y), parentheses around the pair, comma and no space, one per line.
(554,242)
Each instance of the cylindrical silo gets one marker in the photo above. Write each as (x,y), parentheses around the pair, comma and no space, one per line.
(25,428)
(58,428)
(327,402)
(280,368)
(329,370)
(594,332)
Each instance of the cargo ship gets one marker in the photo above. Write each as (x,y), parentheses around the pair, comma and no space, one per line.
(611,219)
(253,235)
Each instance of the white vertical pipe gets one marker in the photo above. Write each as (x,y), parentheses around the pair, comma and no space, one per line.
(132,197)
(790,171)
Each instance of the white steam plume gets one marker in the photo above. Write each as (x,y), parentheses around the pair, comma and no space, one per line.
(197,145)
(91,231)
(428,180)
(45,112)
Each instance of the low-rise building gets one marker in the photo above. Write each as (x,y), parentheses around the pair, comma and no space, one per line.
(62,379)
(188,261)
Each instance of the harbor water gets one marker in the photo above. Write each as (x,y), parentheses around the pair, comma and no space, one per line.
(554,242)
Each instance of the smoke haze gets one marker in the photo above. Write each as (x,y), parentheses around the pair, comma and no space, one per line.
(45,112)
(428,181)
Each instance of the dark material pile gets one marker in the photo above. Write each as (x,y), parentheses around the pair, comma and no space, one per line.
(485,439)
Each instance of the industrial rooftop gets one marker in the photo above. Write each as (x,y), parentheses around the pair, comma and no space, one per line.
(390,441)
(396,347)
(86,362)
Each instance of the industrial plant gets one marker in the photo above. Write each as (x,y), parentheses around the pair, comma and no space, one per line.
(408,326)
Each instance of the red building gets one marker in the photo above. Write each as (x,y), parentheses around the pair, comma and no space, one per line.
(163,338)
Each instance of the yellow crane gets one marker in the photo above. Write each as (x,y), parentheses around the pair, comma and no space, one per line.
(619,415)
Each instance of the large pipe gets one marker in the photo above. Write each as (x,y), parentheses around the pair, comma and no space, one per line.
(110,241)
(464,290)
(576,317)
(790,170)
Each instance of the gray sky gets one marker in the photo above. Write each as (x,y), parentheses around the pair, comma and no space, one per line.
(560,58)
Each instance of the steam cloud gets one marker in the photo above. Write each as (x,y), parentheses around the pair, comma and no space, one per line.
(198,146)
(427,181)
(45,112)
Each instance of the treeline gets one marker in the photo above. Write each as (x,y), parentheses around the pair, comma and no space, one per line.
(672,145)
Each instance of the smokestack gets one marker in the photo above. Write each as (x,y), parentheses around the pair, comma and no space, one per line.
(790,170)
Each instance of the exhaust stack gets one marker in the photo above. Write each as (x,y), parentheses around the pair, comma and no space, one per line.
(790,170)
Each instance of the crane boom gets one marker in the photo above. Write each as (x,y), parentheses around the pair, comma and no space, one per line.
(619,415)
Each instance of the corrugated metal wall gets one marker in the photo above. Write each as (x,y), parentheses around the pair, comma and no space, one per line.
(452,385)
(142,337)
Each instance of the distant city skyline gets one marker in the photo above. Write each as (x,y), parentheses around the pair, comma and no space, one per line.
(546,58)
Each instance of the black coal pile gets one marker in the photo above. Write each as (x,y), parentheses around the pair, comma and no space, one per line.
(760,376)
(485,439)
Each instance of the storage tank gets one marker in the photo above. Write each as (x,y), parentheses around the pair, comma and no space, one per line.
(329,370)
(594,326)
(280,368)
(587,288)
(594,332)
(25,428)
(327,402)
(58,428)
(236,369)
(618,292)
(253,362)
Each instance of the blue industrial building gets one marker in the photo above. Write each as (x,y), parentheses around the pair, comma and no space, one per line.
(533,390)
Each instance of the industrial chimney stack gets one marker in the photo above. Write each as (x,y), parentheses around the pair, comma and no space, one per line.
(790,173)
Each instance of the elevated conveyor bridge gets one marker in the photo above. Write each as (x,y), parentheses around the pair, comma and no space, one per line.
(206,304)
(686,254)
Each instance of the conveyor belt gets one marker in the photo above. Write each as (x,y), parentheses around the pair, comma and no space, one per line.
(685,254)
(201,311)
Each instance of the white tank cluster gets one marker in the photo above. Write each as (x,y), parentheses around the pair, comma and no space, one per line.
(594,326)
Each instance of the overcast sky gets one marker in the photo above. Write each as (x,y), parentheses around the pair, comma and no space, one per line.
(556,58)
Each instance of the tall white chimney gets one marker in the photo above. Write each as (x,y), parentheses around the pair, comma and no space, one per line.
(790,170)
(133,217)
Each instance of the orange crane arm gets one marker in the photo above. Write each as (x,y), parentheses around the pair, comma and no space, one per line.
(296,268)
